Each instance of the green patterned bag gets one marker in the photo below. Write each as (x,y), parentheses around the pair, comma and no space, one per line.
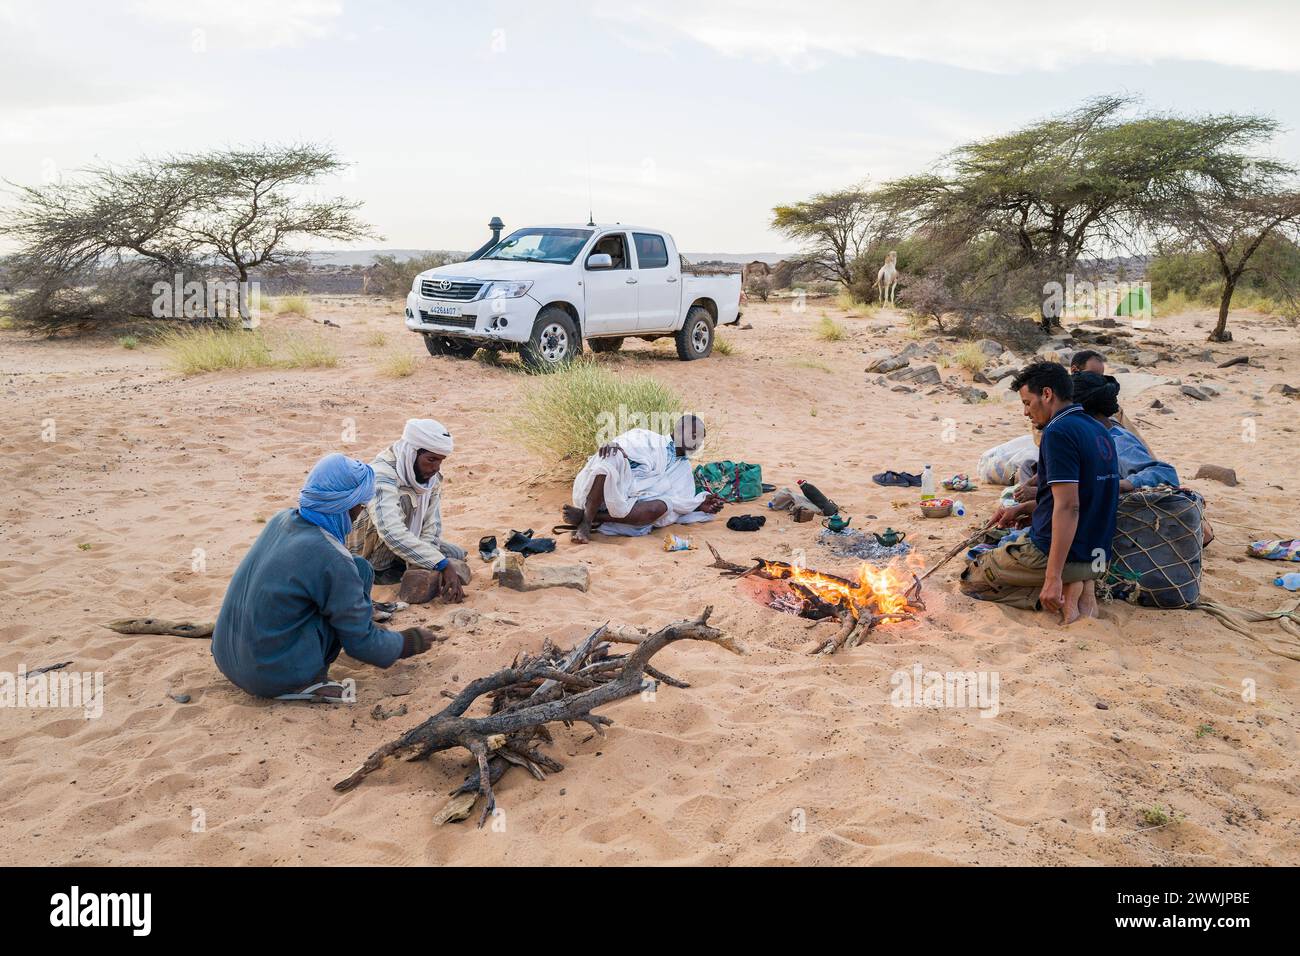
(730,480)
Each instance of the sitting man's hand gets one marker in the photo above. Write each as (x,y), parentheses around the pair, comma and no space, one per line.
(449,586)
(1008,515)
(612,448)
(711,505)
(1052,596)
(1026,492)
(416,640)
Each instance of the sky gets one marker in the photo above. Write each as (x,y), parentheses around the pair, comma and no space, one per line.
(694,117)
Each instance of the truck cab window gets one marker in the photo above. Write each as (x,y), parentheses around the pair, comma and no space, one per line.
(615,246)
(651,251)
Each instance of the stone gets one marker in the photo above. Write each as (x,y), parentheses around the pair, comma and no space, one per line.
(1282,388)
(921,375)
(510,572)
(418,586)
(1002,371)
(990,348)
(180,698)
(1218,473)
(886,363)
(1145,359)
(1191,391)
(1235,360)
(972,396)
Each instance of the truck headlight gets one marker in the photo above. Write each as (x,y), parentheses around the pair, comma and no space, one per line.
(506,290)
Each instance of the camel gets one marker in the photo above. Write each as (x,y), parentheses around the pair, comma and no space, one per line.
(887,279)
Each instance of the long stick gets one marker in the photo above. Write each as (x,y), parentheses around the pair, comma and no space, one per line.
(952,554)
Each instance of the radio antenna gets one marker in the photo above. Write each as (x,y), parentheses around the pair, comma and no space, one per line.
(591,215)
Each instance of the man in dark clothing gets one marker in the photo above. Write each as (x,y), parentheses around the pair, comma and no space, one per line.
(299,598)
(1052,564)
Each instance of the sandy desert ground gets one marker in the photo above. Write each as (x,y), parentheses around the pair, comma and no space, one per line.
(103,523)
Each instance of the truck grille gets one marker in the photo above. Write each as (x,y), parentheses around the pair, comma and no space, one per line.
(454,321)
(449,289)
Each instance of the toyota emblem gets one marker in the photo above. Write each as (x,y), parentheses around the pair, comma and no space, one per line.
(442,285)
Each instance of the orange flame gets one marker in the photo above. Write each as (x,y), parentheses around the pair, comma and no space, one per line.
(878,590)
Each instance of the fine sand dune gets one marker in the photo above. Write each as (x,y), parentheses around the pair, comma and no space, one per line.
(154,486)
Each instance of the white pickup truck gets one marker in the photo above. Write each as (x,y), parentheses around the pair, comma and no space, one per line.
(545,289)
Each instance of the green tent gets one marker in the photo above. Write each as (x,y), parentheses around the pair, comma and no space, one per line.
(1133,303)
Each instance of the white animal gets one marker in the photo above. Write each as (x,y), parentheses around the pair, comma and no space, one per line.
(887,279)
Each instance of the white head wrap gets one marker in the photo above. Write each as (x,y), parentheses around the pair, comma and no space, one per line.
(420,434)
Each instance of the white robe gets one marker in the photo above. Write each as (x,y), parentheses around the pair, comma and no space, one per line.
(651,470)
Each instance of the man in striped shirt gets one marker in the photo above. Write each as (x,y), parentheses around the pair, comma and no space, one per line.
(401,528)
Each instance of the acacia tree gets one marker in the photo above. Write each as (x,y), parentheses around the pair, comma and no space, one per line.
(1230,212)
(249,213)
(91,246)
(834,228)
(1074,185)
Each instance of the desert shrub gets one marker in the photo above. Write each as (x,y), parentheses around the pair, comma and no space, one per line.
(398,363)
(393,277)
(828,330)
(287,305)
(376,339)
(128,342)
(306,351)
(723,346)
(760,287)
(970,357)
(563,416)
(209,348)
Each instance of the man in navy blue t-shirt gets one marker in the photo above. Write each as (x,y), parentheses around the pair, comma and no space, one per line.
(1071,523)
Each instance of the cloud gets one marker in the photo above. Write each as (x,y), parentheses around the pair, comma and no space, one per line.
(1013,36)
(252,23)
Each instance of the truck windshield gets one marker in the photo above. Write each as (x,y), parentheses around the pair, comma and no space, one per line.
(560,246)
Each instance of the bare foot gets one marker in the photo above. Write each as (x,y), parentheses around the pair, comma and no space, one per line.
(582,534)
(573,515)
(1088,600)
(1070,604)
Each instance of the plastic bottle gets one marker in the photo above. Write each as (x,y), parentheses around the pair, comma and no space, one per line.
(959,509)
(1289,581)
(927,483)
(816,497)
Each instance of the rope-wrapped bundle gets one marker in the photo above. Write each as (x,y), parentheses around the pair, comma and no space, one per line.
(1156,551)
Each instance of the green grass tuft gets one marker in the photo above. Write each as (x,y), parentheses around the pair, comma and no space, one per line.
(828,330)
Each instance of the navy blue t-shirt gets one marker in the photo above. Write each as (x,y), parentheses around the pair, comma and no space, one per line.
(1076,448)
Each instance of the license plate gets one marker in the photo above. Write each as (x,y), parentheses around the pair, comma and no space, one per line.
(448,310)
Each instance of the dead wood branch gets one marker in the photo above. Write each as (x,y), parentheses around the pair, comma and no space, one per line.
(526,696)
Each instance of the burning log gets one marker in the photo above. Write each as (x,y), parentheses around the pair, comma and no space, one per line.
(532,692)
(878,596)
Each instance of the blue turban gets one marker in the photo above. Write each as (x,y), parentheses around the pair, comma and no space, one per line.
(335,486)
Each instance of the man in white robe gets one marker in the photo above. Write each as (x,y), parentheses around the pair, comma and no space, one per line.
(640,481)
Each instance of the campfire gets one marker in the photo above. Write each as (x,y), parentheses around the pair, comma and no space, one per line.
(879,595)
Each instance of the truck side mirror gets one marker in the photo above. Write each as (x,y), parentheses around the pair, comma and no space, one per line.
(600,260)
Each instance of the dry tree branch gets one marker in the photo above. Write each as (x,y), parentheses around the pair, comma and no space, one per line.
(526,697)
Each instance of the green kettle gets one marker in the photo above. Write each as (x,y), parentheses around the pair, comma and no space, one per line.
(889,538)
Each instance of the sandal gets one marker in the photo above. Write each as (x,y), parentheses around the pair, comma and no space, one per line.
(900,479)
(313,694)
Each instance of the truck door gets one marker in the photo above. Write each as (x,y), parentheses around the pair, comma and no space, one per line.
(658,285)
(610,292)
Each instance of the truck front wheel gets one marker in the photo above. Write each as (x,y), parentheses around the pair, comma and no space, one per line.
(446,345)
(554,341)
(695,337)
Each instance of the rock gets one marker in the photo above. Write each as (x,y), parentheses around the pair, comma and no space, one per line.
(990,348)
(1003,388)
(1193,392)
(180,698)
(1157,404)
(921,375)
(981,379)
(511,573)
(1203,356)
(1102,705)
(1282,388)
(885,362)
(972,396)
(1145,359)
(418,586)
(902,388)
(1218,473)
(1002,371)
(1236,360)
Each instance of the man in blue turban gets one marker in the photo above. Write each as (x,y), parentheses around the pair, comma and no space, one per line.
(299,597)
